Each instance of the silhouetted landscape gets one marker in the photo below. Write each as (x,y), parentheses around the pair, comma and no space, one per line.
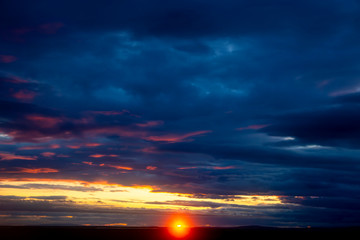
(160,233)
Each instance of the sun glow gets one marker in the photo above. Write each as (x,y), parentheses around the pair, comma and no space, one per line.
(179,226)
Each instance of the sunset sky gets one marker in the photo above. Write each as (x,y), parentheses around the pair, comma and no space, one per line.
(232,112)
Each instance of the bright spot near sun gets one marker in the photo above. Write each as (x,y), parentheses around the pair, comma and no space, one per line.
(179,226)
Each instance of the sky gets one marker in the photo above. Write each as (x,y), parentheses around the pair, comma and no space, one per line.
(122,113)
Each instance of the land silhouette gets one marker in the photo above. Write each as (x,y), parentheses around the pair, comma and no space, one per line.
(162,233)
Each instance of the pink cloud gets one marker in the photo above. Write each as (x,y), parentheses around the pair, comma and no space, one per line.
(253,127)
(16,80)
(341,92)
(73,146)
(44,121)
(208,167)
(54,146)
(39,122)
(31,148)
(150,124)
(10,156)
(7,58)
(223,168)
(38,147)
(148,150)
(92,144)
(24,95)
(48,154)
(80,145)
(103,155)
(175,137)
(116,130)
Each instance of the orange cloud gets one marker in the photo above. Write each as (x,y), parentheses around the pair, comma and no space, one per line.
(76,181)
(151,168)
(184,168)
(88,163)
(116,224)
(108,165)
(33,170)
(116,167)
(175,137)
(10,156)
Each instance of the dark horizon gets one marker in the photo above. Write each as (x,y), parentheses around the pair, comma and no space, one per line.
(231,113)
(208,233)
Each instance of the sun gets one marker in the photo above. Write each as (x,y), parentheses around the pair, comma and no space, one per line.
(179,226)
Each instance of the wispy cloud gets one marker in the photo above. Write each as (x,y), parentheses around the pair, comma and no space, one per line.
(11,156)
(176,137)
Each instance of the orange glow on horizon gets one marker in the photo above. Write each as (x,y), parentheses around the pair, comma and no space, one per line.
(179,226)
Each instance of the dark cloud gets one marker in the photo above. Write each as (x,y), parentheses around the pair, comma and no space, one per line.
(189,203)
(52,186)
(263,155)
(332,126)
(187,18)
(209,99)
(49,197)
(15,211)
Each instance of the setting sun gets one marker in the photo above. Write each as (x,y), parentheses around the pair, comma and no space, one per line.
(179,226)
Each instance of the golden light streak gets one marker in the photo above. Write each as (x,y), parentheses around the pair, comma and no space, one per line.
(116,224)
(102,193)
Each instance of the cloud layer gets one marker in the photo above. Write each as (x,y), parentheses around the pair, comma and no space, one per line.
(207,99)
